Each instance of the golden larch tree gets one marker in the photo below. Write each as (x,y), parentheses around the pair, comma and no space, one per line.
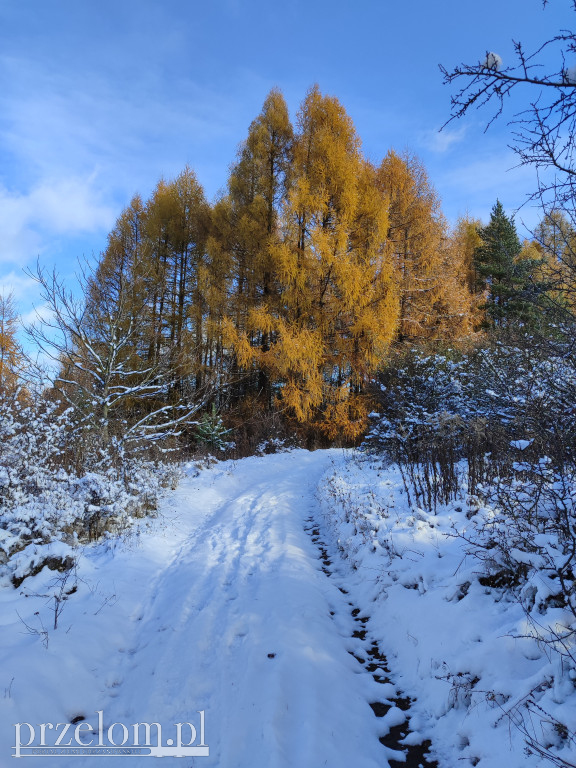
(338,311)
(11,355)
(435,301)
(245,229)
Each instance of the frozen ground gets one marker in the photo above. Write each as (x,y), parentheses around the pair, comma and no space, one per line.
(224,604)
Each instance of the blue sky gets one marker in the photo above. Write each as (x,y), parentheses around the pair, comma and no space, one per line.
(100,100)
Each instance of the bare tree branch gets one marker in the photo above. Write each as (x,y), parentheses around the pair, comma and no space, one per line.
(101,373)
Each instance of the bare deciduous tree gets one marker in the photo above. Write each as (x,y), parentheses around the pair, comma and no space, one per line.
(544,125)
(102,369)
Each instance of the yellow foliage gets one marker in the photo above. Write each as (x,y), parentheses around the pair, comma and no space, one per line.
(295,283)
(433,284)
(337,310)
(11,356)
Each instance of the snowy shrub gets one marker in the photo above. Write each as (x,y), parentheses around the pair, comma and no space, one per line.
(481,448)
(475,604)
(499,423)
(361,513)
(46,496)
(436,411)
(424,424)
(525,539)
(273,445)
(257,431)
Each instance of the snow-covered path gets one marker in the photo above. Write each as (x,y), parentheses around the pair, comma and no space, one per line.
(301,603)
(239,625)
(225,609)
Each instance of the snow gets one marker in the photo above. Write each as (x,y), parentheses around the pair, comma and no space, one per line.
(521,445)
(220,604)
(464,651)
(183,616)
(492,61)
(570,75)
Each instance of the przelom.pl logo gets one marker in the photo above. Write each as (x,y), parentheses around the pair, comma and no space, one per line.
(80,738)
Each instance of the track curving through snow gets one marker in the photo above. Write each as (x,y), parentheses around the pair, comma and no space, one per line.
(227,608)
(239,625)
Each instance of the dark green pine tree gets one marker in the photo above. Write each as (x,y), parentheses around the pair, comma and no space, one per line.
(513,291)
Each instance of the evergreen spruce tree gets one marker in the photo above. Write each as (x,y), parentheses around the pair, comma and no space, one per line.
(211,431)
(509,279)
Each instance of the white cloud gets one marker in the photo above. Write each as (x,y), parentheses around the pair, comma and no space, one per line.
(19,284)
(490,176)
(69,206)
(38,315)
(31,220)
(62,123)
(26,293)
(442,141)
(75,145)
(478,183)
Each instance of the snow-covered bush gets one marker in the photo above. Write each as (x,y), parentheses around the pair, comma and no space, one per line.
(436,411)
(423,424)
(258,431)
(474,603)
(495,432)
(47,495)
(525,538)
(501,424)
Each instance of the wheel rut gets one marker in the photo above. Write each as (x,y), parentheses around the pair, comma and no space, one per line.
(375,663)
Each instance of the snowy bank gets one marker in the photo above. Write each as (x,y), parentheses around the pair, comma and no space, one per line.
(464,649)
